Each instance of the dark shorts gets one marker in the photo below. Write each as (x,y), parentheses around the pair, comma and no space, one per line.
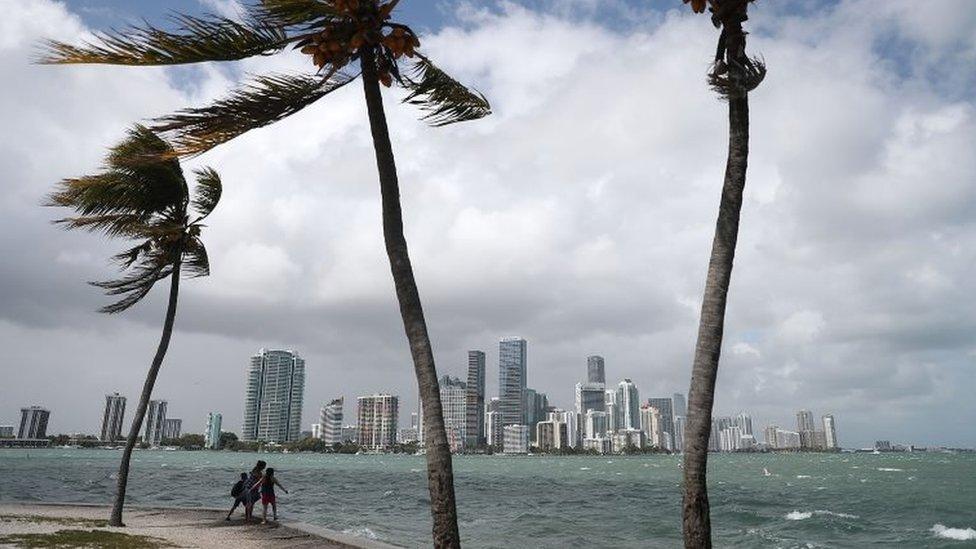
(267,498)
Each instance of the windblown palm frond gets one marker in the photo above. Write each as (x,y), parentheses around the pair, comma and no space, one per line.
(196,39)
(446,100)
(207,193)
(300,15)
(142,196)
(263,101)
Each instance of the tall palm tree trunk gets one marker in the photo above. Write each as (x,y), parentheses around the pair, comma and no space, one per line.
(697,523)
(440,474)
(147,388)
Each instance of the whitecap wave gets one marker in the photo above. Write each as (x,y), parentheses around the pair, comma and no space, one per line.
(958,534)
(803,515)
(802,476)
(584,468)
(362,532)
(890,469)
(798,515)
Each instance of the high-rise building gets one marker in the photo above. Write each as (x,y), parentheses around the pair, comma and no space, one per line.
(804,421)
(112,418)
(494,430)
(830,432)
(350,433)
(650,423)
(551,434)
(571,419)
(6,431)
(718,425)
(155,420)
(512,373)
(172,428)
(629,401)
(595,372)
(454,408)
(535,405)
(378,421)
(590,396)
(475,404)
(624,438)
(679,433)
(665,406)
(211,437)
(407,435)
(744,421)
(730,439)
(680,406)
(516,439)
(33,422)
(330,418)
(274,397)
(594,424)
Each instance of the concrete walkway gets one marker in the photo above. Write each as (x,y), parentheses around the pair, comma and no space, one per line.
(196,528)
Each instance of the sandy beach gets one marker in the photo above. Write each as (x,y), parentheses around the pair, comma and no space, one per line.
(28,524)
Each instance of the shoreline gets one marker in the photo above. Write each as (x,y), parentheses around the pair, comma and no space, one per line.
(200,527)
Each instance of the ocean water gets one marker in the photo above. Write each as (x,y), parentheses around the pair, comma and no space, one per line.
(809,500)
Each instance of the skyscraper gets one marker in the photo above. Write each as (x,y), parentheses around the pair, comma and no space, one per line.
(494,434)
(172,428)
(475,406)
(33,422)
(155,420)
(516,439)
(629,401)
(330,419)
(511,379)
(454,408)
(680,407)
(211,437)
(664,405)
(594,424)
(590,396)
(112,418)
(614,415)
(744,421)
(274,397)
(804,421)
(378,421)
(650,423)
(830,432)
(679,433)
(595,372)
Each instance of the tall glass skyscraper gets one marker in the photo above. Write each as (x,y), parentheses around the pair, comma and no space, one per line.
(475,404)
(511,379)
(112,418)
(629,401)
(595,372)
(155,422)
(330,420)
(664,405)
(274,396)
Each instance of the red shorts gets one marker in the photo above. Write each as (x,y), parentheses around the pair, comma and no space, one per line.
(267,499)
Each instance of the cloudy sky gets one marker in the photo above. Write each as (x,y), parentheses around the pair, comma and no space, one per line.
(579,216)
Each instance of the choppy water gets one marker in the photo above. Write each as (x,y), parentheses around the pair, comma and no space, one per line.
(811,500)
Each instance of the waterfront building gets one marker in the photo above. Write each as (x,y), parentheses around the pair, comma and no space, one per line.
(590,396)
(715,439)
(211,437)
(595,372)
(155,421)
(330,418)
(516,439)
(747,442)
(594,424)
(350,433)
(679,433)
(378,421)
(650,423)
(830,432)
(274,396)
(33,422)
(512,373)
(408,435)
(172,428)
(680,407)
(730,439)
(571,420)
(744,421)
(535,406)
(666,407)
(112,418)
(6,431)
(882,445)
(475,400)
(494,430)
(629,401)
(782,439)
(601,444)
(551,434)
(628,437)
(769,435)
(454,408)
(804,421)
(316,431)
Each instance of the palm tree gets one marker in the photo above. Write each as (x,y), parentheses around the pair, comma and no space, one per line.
(733,76)
(338,36)
(143,196)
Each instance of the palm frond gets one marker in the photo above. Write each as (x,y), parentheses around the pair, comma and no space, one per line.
(446,100)
(150,267)
(265,100)
(207,193)
(300,15)
(196,263)
(196,39)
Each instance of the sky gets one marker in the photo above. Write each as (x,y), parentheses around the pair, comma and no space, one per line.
(578,216)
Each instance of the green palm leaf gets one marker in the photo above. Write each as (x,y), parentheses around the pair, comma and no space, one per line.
(197,39)
(298,14)
(446,100)
(263,101)
(196,263)
(207,193)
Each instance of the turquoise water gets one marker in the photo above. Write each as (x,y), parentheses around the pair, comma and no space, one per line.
(810,500)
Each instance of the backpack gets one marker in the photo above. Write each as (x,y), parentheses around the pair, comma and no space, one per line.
(238,489)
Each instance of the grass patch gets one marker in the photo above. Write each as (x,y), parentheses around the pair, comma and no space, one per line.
(61,521)
(64,539)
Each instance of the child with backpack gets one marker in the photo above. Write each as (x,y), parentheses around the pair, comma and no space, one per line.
(238,493)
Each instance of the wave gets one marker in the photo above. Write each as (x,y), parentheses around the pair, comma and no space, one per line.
(803,515)
(892,469)
(802,476)
(958,534)
(361,532)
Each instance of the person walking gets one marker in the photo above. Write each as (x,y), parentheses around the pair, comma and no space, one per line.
(252,482)
(266,488)
(239,493)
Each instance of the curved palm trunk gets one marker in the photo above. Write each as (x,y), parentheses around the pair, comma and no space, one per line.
(147,388)
(440,474)
(697,524)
